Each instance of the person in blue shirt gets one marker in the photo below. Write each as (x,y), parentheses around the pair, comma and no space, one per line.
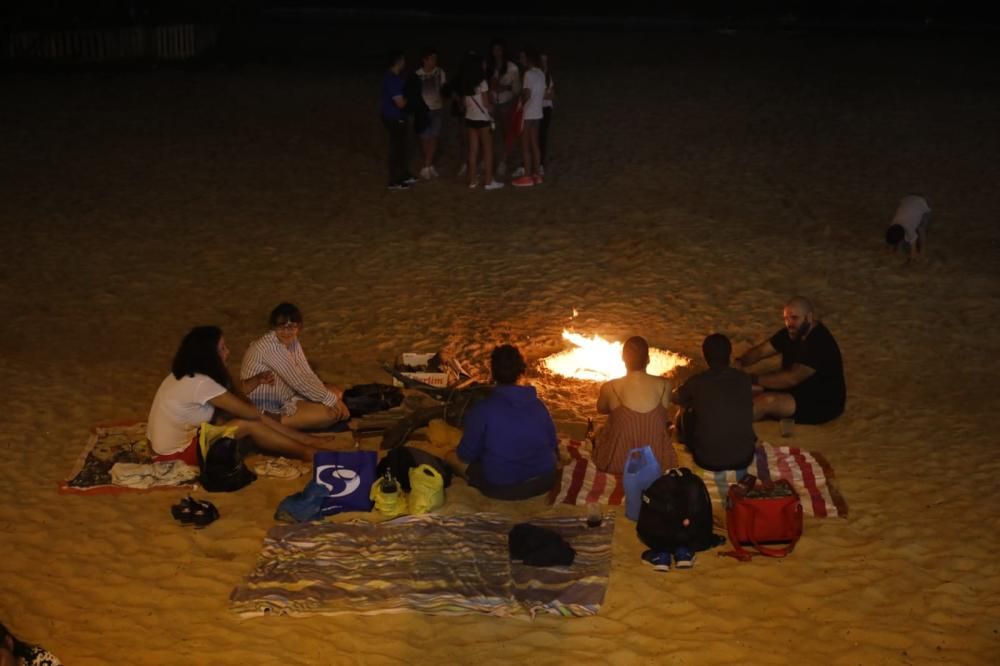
(509,441)
(392,104)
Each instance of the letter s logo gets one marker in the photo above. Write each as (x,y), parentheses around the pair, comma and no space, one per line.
(340,481)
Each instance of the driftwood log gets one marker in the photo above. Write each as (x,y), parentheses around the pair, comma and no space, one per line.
(455,403)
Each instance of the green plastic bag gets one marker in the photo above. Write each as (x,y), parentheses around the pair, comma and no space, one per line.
(426,489)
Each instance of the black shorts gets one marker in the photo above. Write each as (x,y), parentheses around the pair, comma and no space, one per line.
(476,124)
(810,410)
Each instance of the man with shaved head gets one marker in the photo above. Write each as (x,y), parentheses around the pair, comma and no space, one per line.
(810,385)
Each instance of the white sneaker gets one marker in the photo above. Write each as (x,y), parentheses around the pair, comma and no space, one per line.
(541,170)
(493,185)
(518,172)
(434,172)
(502,169)
(425,173)
(462,169)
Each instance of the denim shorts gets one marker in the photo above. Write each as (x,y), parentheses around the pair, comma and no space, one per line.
(434,118)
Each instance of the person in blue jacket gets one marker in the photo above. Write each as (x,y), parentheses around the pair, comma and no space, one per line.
(509,442)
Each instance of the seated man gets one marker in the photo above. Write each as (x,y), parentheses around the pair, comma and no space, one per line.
(509,441)
(810,386)
(278,380)
(716,421)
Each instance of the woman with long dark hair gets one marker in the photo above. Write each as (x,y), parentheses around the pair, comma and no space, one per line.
(200,390)
(478,120)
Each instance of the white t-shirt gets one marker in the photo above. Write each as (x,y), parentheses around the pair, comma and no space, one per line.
(431,87)
(910,213)
(512,78)
(474,107)
(534,80)
(180,406)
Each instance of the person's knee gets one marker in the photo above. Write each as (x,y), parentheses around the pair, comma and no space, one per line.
(243,426)
(332,414)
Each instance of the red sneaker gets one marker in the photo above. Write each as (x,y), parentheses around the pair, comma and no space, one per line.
(523,181)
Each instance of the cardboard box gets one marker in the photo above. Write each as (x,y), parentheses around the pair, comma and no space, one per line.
(419,360)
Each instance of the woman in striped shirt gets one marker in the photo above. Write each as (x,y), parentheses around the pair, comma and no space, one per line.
(636,405)
(278,379)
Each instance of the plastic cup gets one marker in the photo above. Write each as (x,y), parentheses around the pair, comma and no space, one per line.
(594,515)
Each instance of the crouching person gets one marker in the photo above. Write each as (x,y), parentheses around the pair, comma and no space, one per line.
(508,447)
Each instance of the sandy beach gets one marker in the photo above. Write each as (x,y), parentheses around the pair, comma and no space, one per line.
(696,181)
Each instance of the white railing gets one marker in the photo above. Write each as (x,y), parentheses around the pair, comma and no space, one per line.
(170,42)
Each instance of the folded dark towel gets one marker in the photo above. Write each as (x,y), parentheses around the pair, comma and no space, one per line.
(539,547)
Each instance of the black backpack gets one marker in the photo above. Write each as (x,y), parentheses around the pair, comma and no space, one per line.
(676,496)
(223,469)
(365,399)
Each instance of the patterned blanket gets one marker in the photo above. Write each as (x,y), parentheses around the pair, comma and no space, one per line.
(809,473)
(107,445)
(426,563)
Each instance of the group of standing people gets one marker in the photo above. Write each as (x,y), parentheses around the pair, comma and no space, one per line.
(498,104)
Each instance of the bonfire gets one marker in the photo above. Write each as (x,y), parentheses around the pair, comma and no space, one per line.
(596,359)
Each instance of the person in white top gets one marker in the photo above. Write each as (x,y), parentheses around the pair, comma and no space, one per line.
(197,391)
(278,379)
(532,95)
(478,119)
(505,86)
(909,227)
(432,80)
(547,106)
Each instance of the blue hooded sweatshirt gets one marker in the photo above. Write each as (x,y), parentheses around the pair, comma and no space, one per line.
(511,435)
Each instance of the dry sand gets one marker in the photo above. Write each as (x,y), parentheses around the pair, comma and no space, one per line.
(695,182)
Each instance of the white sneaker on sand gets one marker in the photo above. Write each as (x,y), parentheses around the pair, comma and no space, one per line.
(426,174)
(493,185)
(517,173)
(502,169)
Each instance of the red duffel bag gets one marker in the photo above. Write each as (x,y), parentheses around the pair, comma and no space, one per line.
(764,513)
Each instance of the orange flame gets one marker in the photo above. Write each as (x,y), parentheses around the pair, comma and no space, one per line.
(598,360)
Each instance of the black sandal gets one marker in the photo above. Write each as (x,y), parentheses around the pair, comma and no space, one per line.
(203,513)
(184,510)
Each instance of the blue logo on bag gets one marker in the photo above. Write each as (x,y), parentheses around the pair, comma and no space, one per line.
(338,480)
(346,477)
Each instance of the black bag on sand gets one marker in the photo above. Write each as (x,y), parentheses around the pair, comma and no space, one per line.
(223,469)
(538,547)
(402,459)
(366,399)
(676,511)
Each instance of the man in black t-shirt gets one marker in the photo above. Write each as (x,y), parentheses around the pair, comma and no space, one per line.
(716,421)
(810,386)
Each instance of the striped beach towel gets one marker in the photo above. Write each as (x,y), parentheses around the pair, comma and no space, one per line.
(424,563)
(809,473)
